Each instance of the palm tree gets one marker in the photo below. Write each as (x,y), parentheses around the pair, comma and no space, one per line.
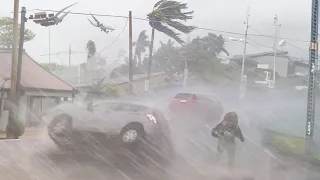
(141,44)
(165,17)
(91,49)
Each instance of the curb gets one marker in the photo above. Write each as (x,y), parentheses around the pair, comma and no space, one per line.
(34,134)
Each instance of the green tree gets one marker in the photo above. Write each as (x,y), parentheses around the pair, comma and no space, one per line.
(201,54)
(52,67)
(6,32)
(166,16)
(91,49)
(140,47)
(167,57)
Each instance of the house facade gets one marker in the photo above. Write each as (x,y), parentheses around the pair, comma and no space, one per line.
(284,65)
(40,88)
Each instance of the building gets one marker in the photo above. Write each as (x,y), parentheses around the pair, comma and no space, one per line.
(284,64)
(40,88)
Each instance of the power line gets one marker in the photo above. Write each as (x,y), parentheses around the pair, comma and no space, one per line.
(116,37)
(80,52)
(261,44)
(200,28)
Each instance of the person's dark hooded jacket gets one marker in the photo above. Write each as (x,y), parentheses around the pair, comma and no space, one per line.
(230,124)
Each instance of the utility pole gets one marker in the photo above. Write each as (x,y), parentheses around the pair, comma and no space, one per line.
(313,60)
(49,45)
(242,82)
(11,126)
(185,72)
(130,53)
(147,82)
(275,49)
(70,55)
(22,28)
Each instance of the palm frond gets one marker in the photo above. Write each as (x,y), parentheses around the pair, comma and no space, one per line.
(181,27)
(166,30)
(158,3)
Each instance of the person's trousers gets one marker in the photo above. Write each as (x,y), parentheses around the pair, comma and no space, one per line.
(230,148)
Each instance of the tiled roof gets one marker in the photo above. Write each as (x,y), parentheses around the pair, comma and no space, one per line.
(33,76)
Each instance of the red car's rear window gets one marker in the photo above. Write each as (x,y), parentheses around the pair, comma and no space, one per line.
(184,96)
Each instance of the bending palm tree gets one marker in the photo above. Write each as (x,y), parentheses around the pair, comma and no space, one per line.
(141,45)
(91,48)
(164,18)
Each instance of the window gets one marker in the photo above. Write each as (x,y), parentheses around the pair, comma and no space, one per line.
(130,108)
(119,107)
(184,96)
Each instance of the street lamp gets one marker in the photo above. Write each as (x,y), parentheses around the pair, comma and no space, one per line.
(242,90)
(275,21)
(236,40)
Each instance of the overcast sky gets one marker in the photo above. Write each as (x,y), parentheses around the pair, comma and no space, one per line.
(223,15)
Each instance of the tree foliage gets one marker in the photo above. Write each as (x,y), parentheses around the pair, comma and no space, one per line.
(6,33)
(201,55)
(52,67)
(91,49)
(168,15)
(140,47)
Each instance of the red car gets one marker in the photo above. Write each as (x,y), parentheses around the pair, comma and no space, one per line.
(203,106)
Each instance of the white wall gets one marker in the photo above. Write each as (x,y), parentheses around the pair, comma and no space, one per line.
(281,64)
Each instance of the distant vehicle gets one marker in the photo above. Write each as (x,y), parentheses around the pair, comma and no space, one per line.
(111,125)
(198,106)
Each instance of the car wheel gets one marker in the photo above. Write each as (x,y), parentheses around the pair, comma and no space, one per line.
(132,133)
(60,130)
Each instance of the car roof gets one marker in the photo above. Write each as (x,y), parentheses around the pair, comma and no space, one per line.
(122,102)
(213,95)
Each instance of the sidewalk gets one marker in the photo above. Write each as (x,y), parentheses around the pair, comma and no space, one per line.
(30,133)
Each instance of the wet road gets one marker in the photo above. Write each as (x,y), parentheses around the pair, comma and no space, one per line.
(41,160)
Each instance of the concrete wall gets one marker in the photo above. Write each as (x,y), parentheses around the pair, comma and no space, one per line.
(281,64)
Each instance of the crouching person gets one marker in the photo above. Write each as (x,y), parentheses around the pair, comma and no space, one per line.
(226,132)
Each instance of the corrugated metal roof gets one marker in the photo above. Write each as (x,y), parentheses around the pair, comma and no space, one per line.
(32,74)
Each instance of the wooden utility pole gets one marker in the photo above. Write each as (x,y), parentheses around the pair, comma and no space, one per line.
(242,91)
(49,46)
(130,52)
(69,55)
(21,41)
(147,82)
(14,64)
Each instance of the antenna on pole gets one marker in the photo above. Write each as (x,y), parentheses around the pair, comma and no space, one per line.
(242,82)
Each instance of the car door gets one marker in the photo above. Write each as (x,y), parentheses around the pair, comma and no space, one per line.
(127,113)
(105,119)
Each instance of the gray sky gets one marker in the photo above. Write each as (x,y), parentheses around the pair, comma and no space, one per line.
(224,15)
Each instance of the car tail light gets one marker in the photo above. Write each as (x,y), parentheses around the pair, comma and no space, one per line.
(151,118)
